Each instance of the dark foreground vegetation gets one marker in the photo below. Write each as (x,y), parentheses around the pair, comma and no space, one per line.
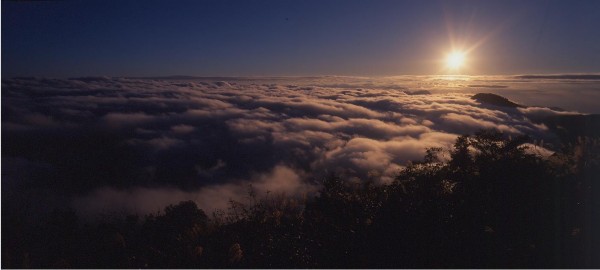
(489,203)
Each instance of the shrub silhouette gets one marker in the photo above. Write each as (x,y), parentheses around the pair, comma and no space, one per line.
(492,204)
(489,206)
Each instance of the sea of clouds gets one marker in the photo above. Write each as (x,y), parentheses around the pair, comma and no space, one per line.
(135,145)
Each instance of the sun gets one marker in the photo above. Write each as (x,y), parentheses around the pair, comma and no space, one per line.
(455,60)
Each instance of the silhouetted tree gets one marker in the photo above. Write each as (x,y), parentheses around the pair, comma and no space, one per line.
(492,204)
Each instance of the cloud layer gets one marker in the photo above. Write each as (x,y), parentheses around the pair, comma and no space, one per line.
(138,144)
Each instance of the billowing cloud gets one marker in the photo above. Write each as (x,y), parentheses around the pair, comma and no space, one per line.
(467,122)
(540,112)
(146,200)
(139,144)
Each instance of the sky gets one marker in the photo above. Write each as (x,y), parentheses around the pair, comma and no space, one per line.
(296,38)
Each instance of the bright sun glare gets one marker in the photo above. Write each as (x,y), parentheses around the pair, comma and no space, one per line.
(455,60)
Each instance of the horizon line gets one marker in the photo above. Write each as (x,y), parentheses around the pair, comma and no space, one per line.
(578,75)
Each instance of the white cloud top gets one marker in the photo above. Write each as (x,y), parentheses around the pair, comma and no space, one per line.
(146,143)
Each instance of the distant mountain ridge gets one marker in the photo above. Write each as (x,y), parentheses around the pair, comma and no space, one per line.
(568,127)
(226,78)
(562,77)
(496,100)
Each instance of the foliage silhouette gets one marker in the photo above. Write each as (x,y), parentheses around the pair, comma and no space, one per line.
(488,202)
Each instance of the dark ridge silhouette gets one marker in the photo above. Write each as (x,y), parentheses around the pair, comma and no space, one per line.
(496,100)
(417,92)
(558,109)
(561,77)
(487,86)
(571,127)
(227,78)
(493,204)
(92,79)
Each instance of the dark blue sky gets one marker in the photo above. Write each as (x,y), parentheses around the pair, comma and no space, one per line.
(256,38)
